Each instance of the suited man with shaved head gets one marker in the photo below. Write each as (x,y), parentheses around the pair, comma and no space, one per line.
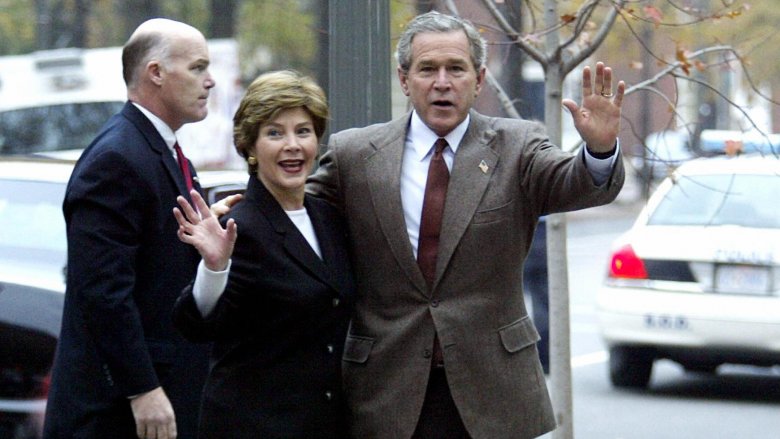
(121,370)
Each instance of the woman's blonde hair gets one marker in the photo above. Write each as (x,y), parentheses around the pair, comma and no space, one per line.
(268,95)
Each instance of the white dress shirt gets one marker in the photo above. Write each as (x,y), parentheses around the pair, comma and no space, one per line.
(418,150)
(165,131)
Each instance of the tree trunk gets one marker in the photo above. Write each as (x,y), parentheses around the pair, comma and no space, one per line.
(322,69)
(558,271)
(135,12)
(43,25)
(222,19)
(79,28)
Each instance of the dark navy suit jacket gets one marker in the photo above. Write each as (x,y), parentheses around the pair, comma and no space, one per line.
(126,267)
(279,327)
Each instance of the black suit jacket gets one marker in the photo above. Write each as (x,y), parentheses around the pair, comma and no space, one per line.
(126,267)
(279,327)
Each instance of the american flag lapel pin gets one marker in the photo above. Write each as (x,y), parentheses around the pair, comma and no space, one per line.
(483,166)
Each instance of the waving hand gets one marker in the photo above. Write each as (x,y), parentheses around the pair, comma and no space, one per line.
(598,119)
(201,229)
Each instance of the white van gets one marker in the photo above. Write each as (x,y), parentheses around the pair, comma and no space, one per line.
(57,100)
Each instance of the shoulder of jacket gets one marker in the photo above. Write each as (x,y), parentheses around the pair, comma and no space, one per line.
(507,123)
(360,133)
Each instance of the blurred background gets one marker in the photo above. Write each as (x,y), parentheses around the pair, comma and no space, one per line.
(60,80)
(249,37)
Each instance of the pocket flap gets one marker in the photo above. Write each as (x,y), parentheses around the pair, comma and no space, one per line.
(519,334)
(357,349)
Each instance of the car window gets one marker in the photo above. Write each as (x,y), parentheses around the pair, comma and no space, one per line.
(31,221)
(217,193)
(53,128)
(743,200)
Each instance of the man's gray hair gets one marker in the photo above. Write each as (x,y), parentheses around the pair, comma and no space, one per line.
(138,52)
(437,22)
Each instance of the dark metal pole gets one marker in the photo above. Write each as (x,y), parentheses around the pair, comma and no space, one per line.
(359,63)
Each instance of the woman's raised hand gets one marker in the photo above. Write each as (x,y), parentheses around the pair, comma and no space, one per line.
(201,229)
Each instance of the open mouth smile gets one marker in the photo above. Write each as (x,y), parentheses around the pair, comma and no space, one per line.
(291,166)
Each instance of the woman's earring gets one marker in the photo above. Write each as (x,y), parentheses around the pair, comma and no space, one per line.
(251,160)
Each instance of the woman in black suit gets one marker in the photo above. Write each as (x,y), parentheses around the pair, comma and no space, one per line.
(274,297)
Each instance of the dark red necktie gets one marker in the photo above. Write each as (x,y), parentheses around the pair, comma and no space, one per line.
(430,224)
(184,165)
(432,212)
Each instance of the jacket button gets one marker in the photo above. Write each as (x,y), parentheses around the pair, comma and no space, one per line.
(427,353)
(336,302)
(329,348)
(434,303)
(329,395)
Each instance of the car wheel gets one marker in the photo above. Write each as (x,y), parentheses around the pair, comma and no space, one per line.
(630,366)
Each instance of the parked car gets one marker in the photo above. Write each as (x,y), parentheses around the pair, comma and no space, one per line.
(662,153)
(697,277)
(32,280)
(717,142)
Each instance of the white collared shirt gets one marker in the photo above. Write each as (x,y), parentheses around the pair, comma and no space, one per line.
(165,131)
(302,221)
(418,150)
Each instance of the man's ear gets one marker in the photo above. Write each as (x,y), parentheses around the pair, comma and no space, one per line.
(403,78)
(154,71)
(480,80)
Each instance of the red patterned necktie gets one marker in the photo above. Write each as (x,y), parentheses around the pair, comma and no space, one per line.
(430,225)
(184,165)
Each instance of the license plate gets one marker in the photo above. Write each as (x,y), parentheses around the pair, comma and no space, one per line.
(742,279)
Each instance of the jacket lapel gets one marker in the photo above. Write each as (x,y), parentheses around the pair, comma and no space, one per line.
(333,268)
(157,144)
(468,181)
(384,169)
(293,241)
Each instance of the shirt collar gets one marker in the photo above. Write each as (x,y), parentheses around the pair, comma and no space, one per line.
(165,131)
(423,138)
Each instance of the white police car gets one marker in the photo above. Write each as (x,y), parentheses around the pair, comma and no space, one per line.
(697,278)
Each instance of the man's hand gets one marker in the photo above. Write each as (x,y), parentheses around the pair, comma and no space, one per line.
(598,120)
(202,230)
(224,205)
(154,417)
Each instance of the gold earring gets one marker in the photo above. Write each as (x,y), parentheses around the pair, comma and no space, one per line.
(251,160)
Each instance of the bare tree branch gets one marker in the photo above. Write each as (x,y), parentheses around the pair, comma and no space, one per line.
(715,90)
(503,96)
(671,67)
(583,17)
(601,35)
(510,31)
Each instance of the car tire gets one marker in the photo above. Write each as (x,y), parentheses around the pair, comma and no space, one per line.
(630,367)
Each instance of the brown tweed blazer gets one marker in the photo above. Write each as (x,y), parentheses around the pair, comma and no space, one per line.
(476,304)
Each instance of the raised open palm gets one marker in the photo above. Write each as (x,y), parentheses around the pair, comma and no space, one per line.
(201,229)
